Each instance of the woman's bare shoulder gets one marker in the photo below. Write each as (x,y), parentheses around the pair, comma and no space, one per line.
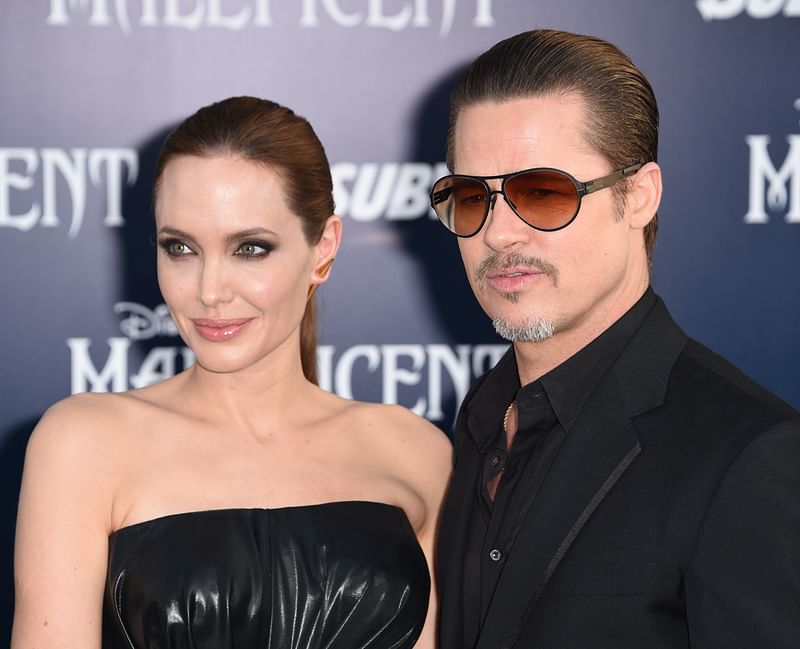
(389,432)
(87,413)
(402,425)
(406,438)
(84,430)
(416,452)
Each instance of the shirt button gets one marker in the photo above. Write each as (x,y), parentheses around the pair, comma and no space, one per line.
(495,460)
(495,555)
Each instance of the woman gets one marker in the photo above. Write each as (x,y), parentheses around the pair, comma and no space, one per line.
(236,505)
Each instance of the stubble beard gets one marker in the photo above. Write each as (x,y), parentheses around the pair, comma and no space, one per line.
(531,330)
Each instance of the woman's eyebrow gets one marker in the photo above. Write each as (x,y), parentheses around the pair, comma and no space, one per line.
(234,236)
(250,232)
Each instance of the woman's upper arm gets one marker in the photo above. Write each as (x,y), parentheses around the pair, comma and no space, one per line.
(62,533)
(433,462)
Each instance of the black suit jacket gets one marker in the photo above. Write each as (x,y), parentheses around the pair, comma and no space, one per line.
(669,518)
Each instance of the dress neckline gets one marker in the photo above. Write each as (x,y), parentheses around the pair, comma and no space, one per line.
(230,510)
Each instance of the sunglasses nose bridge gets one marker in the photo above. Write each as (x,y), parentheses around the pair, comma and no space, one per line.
(494,193)
(492,202)
(493,197)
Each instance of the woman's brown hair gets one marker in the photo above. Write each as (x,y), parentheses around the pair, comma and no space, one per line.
(270,134)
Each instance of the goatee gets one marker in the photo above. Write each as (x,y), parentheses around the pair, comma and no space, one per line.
(534,331)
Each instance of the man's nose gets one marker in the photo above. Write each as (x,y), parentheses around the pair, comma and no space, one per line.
(503,229)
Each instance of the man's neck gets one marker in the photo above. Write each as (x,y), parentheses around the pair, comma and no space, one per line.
(535,359)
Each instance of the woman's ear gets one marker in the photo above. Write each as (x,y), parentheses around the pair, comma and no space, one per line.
(644,195)
(325,251)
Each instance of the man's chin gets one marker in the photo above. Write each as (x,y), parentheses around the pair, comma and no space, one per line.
(529,331)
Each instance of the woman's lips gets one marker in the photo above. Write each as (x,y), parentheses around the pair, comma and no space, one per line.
(510,280)
(221,330)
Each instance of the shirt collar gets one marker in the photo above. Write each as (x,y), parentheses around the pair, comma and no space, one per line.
(569,385)
(488,405)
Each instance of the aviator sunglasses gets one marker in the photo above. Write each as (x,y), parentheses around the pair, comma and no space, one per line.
(546,199)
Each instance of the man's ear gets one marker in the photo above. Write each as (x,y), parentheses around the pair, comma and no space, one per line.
(644,195)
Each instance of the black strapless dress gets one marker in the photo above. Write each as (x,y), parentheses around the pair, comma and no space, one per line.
(341,575)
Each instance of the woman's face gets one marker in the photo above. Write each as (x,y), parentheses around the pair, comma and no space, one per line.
(234,266)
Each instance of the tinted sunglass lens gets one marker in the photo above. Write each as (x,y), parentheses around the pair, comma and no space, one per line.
(547,200)
(460,203)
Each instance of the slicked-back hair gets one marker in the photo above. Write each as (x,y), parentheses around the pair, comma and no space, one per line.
(620,107)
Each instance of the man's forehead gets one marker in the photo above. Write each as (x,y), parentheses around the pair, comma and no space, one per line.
(555,99)
(521,132)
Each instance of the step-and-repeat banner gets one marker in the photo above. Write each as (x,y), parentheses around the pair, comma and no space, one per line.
(90,88)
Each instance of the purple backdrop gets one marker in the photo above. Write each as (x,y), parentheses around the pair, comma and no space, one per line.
(89,88)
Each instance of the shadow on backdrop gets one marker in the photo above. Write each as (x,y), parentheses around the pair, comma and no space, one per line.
(137,238)
(138,277)
(435,249)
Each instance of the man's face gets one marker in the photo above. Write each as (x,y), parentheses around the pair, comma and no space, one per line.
(572,283)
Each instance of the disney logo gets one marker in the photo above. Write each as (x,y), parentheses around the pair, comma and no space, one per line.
(142,323)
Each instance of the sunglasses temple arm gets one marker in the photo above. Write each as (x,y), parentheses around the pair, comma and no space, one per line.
(607,181)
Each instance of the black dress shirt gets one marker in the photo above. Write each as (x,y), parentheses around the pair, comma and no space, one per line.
(546,410)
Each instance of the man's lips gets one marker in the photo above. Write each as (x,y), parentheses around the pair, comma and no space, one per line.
(512,272)
(220,330)
(513,279)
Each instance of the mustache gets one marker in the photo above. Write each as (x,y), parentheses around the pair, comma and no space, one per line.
(496,261)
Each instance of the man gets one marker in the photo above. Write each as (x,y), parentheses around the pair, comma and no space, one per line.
(616,484)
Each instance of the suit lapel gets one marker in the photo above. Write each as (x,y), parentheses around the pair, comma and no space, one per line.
(593,456)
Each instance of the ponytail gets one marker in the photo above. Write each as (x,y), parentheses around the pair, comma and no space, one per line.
(308,340)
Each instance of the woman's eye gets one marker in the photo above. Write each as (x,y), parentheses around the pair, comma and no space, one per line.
(254,249)
(175,247)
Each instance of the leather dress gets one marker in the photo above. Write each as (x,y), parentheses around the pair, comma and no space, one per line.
(340,575)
